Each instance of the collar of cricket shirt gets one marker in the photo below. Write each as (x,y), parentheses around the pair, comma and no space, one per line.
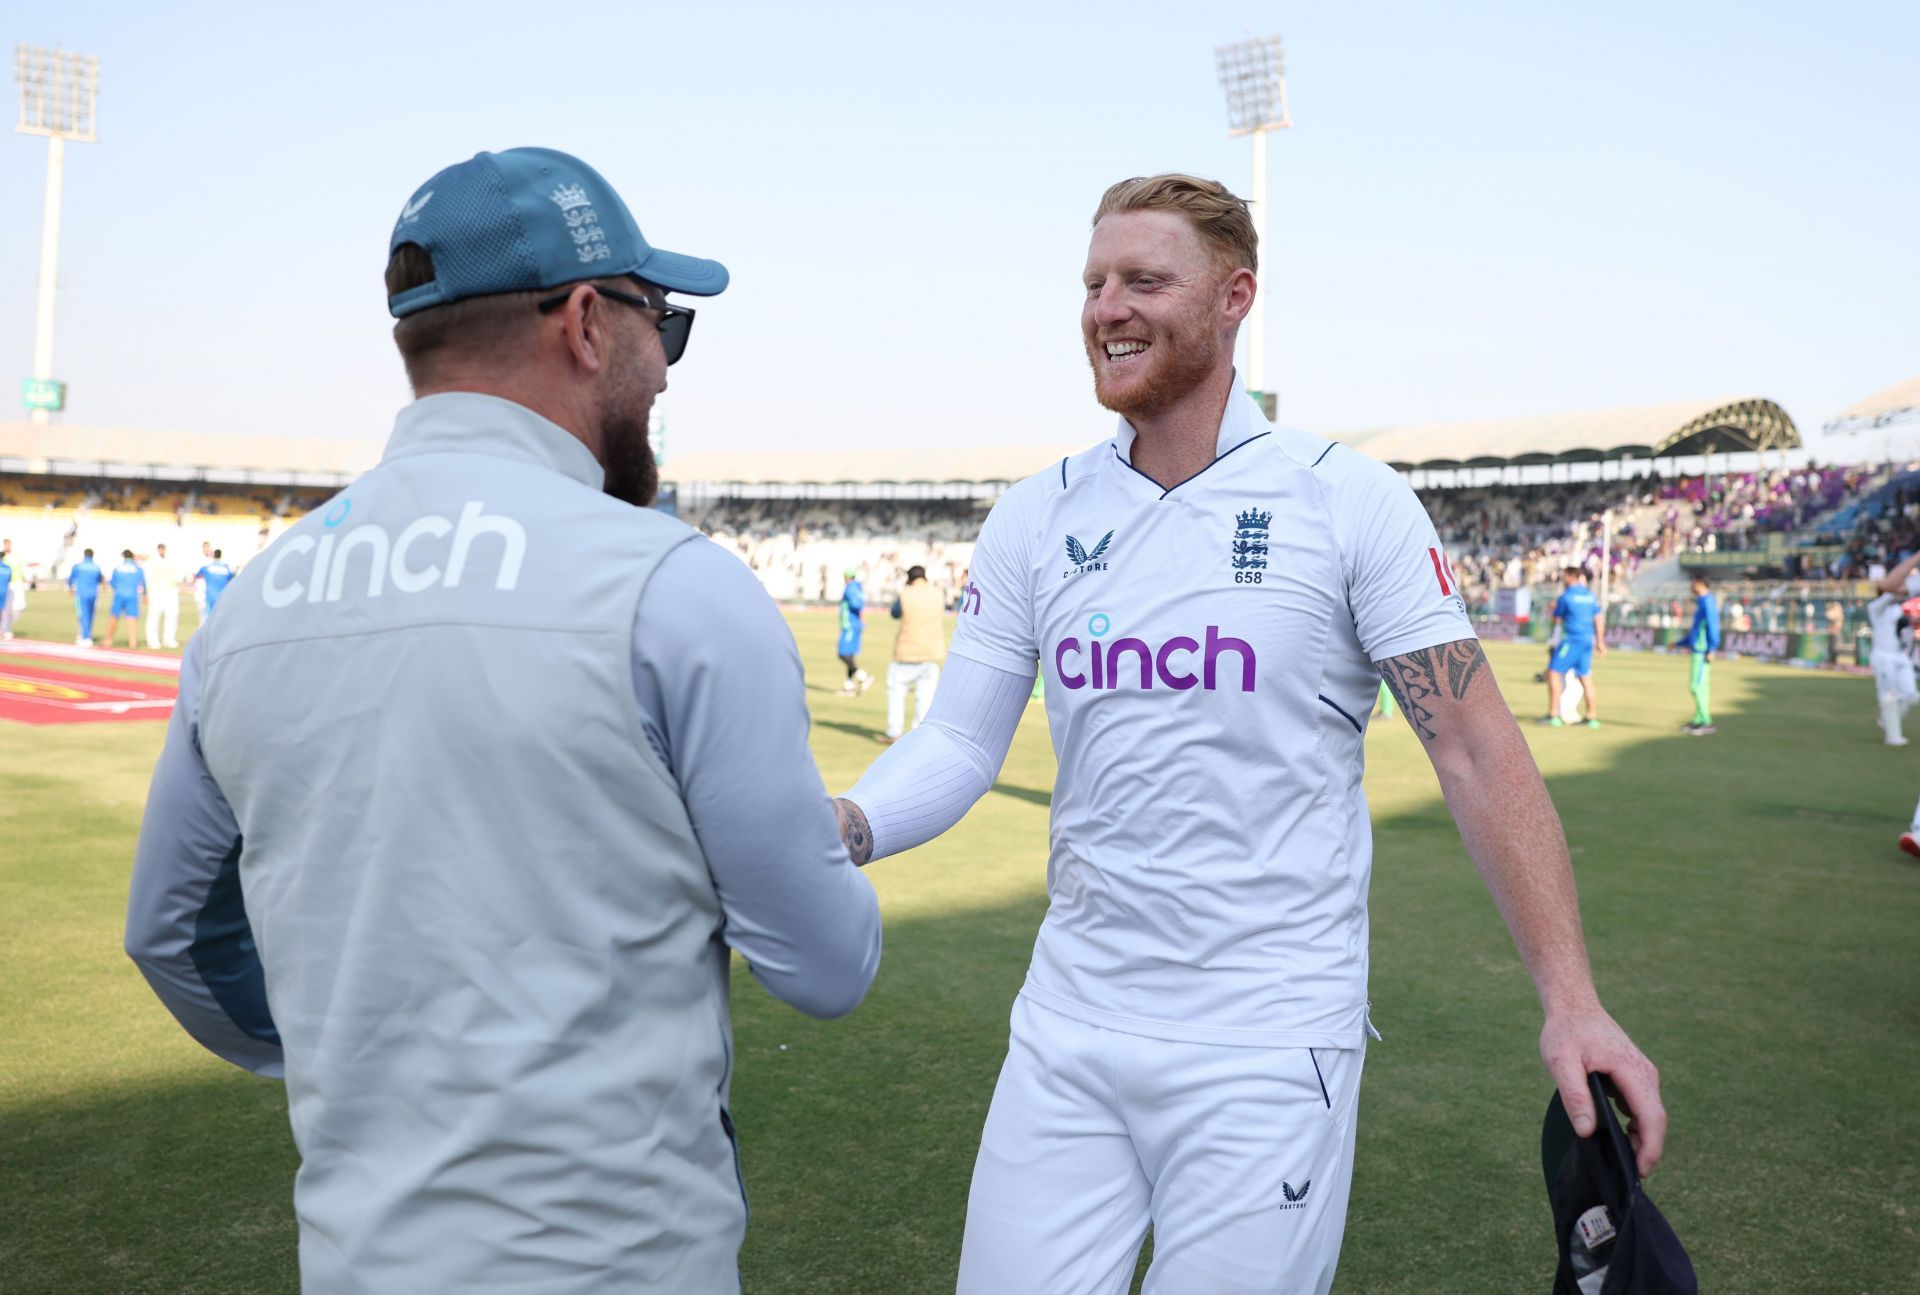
(467,422)
(1240,422)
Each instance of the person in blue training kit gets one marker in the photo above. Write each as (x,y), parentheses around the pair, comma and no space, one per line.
(84,581)
(6,590)
(1704,638)
(1582,633)
(853,601)
(128,582)
(214,578)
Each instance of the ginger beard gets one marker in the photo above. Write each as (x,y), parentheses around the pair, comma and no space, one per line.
(1179,357)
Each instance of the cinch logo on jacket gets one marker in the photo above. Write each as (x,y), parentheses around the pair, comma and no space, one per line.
(1114,664)
(417,559)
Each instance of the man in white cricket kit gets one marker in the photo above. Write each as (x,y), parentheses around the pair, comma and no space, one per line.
(163,600)
(1212,602)
(1892,653)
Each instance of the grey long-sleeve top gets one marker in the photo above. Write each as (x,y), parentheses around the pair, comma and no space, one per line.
(719,689)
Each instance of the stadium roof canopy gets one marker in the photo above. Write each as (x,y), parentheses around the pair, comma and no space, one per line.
(1896,404)
(1642,432)
(1685,427)
(59,449)
(863,467)
(1646,431)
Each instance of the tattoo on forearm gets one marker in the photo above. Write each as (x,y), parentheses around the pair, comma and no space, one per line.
(855,832)
(1421,677)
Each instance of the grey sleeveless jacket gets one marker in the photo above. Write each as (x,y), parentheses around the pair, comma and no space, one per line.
(491,944)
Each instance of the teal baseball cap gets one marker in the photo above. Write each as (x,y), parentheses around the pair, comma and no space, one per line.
(526,219)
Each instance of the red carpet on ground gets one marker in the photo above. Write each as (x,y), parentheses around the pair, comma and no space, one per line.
(30,693)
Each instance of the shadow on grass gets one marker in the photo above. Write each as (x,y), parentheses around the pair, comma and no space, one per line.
(848,726)
(182,1186)
(1032,795)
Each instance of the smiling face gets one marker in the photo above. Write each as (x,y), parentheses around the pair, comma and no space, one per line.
(1158,319)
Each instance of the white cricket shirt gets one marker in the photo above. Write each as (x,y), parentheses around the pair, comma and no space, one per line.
(163,579)
(1208,656)
(1883,618)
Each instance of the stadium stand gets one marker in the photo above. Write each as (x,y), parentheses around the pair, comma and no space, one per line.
(50,532)
(1514,535)
(799,548)
(799,518)
(1877,528)
(64,489)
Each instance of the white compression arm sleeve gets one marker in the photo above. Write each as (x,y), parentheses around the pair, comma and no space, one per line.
(929,779)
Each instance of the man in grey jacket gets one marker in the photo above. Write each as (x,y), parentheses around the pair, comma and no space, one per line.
(479,775)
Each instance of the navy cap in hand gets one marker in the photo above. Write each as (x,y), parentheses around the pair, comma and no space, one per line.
(526,219)
(1613,1241)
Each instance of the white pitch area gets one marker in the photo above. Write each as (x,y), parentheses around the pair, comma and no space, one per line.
(98,656)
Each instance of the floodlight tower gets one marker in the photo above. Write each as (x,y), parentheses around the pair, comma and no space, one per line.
(1254,75)
(58,92)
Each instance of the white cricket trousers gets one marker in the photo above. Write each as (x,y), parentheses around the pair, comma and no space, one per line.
(1894,683)
(1241,1158)
(922,677)
(163,621)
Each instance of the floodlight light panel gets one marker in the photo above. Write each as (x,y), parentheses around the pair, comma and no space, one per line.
(1253,75)
(58,92)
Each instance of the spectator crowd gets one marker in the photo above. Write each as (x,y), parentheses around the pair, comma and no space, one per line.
(1505,536)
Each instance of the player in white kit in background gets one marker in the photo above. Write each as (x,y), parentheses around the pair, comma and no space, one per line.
(163,599)
(1892,652)
(1211,603)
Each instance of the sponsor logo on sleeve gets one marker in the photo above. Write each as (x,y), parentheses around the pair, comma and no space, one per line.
(1449,583)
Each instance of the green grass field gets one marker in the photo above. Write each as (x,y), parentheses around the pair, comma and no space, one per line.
(1751,924)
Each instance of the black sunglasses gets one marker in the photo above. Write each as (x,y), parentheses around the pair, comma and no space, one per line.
(676,322)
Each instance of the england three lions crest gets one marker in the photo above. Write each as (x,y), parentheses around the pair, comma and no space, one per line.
(1249,548)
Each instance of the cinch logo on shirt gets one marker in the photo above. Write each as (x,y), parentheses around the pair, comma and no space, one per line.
(1112,664)
(392,559)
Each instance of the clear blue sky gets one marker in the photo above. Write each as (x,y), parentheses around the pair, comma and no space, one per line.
(1484,209)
